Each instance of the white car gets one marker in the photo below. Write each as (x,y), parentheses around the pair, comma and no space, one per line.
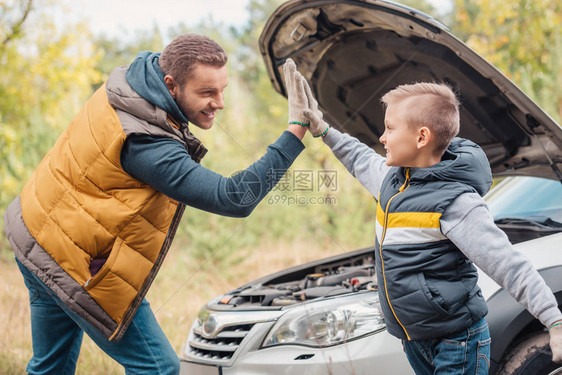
(324,317)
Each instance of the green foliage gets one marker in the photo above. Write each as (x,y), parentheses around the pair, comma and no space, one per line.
(523,39)
(45,75)
(118,52)
(254,116)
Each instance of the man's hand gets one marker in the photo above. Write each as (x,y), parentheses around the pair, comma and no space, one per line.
(295,94)
(556,341)
(318,127)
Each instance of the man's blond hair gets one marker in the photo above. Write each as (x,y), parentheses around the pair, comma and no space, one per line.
(435,105)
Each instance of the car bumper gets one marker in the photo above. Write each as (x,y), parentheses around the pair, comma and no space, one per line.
(379,353)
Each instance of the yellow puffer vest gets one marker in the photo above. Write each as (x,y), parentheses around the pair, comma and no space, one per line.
(81,205)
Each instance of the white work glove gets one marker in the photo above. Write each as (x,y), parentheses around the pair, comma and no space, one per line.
(294,83)
(555,331)
(318,127)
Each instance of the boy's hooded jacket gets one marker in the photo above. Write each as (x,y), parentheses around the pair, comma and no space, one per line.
(119,217)
(427,287)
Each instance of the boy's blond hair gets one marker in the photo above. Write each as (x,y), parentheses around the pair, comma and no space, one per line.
(436,106)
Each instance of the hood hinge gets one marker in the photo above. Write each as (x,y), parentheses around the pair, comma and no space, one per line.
(533,124)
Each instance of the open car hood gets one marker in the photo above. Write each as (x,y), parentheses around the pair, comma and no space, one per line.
(352,52)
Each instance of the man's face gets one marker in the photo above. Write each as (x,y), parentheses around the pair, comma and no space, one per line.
(202,94)
(399,139)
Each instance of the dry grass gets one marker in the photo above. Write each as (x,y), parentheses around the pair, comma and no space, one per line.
(180,290)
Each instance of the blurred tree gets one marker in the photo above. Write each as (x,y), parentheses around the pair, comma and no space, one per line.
(254,116)
(45,74)
(14,16)
(117,51)
(248,60)
(523,39)
(51,72)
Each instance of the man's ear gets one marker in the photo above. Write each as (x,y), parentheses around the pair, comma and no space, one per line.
(171,85)
(424,136)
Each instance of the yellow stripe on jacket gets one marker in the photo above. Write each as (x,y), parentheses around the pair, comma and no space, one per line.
(409,227)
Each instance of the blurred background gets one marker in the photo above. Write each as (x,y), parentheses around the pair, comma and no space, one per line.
(55,53)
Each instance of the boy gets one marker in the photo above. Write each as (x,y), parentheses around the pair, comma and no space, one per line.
(431,225)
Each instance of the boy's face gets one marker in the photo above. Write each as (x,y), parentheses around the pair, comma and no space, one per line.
(399,139)
(202,95)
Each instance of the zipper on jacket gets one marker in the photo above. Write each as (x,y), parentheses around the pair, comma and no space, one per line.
(385,223)
(130,313)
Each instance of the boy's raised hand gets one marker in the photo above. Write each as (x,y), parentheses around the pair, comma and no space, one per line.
(318,127)
(296,94)
(556,341)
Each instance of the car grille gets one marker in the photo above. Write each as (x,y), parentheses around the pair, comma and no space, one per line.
(219,349)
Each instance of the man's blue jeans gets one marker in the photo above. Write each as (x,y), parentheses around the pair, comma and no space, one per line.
(57,336)
(467,352)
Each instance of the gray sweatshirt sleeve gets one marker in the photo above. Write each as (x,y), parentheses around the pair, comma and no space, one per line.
(359,159)
(470,226)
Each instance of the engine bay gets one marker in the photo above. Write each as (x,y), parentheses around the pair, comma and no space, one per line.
(324,280)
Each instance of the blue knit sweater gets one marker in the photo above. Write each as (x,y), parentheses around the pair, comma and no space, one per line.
(164,164)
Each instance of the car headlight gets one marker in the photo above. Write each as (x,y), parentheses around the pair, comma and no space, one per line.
(330,322)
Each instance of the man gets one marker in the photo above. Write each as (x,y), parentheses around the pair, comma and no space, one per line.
(93,224)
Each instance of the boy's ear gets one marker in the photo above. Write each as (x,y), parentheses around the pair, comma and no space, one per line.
(424,136)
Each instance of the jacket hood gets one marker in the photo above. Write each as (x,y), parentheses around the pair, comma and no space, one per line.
(354,51)
(132,109)
(146,78)
(463,161)
(121,96)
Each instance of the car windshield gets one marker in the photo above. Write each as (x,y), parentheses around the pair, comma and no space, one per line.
(527,198)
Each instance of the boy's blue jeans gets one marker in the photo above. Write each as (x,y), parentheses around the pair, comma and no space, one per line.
(467,352)
(57,336)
